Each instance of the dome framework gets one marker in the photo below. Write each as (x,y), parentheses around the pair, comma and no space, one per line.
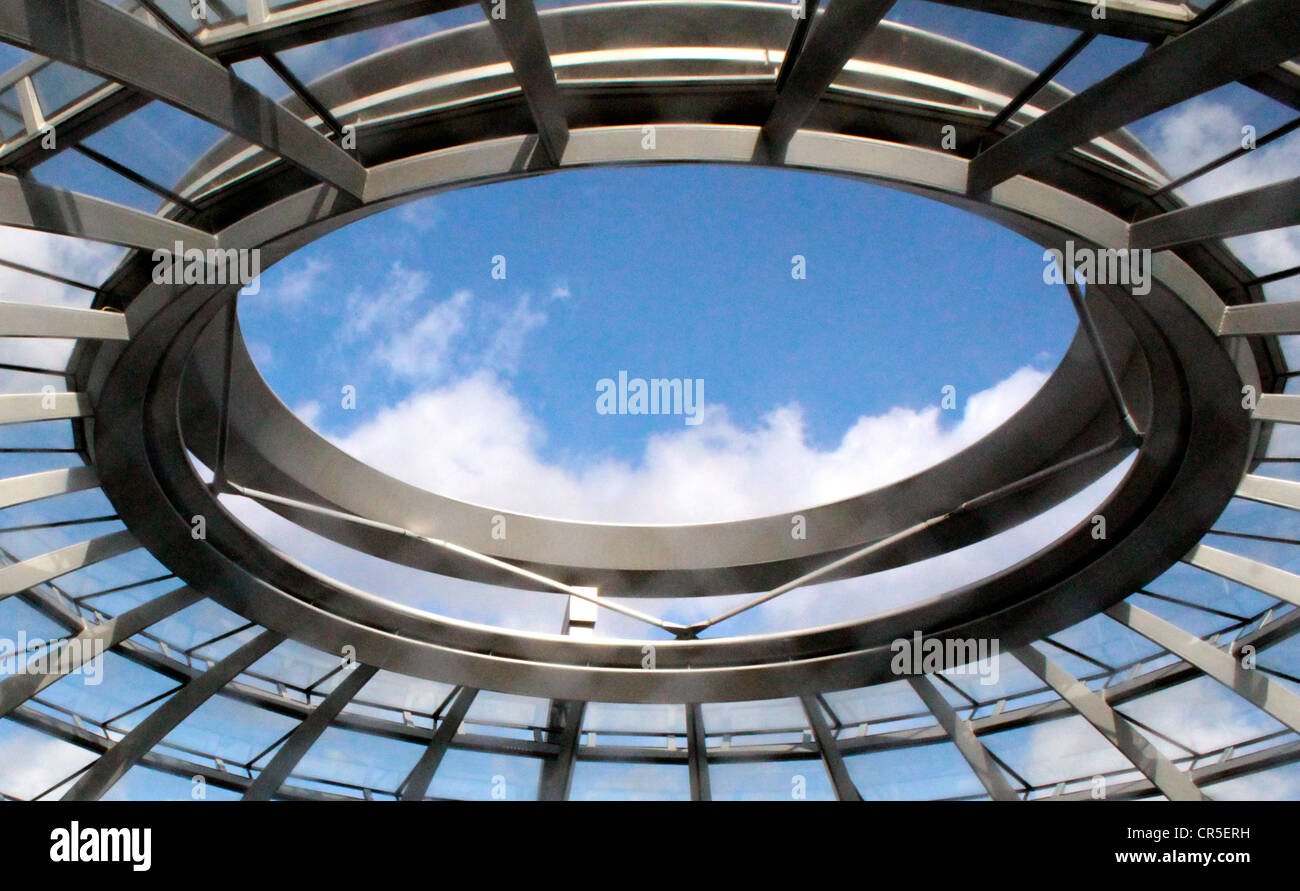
(1188,381)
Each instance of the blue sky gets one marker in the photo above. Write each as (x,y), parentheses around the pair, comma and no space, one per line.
(678,271)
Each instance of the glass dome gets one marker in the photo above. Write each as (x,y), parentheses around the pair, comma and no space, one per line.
(1091,592)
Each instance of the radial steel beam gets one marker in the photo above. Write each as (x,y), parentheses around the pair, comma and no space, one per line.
(37,320)
(1280,317)
(1250,38)
(27,408)
(417,782)
(1263,578)
(46,484)
(1218,771)
(1250,684)
(1270,490)
(18,577)
(836,35)
(272,777)
(26,204)
(1281,407)
(829,747)
(71,655)
(94,36)
(520,34)
(697,753)
(1255,210)
(114,763)
(1175,784)
(986,769)
(557,772)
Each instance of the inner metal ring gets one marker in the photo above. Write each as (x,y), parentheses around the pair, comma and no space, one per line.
(1171,367)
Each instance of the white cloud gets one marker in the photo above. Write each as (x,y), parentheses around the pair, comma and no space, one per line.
(385,308)
(299,282)
(473,439)
(424,350)
(507,346)
(487,451)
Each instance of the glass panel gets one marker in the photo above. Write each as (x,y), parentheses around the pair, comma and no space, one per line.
(315,60)
(771,781)
(142,783)
(78,259)
(194,15)
(75,172)
(31,761)
(1201,715)
(1066,748)
(358,760)
(233,731)
(11,115)
(118,685)
(605,781)
(616,41)
(58,86)
(1278,784)
(1030,44)
(912,774)
(477,776)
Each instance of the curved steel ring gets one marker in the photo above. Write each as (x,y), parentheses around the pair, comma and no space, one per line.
(1181,381)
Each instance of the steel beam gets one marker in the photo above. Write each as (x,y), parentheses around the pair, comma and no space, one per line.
(18,577)
(114,763)
(417,782)
(830,751)
(1269,317)
(46,484)
(1251,684)
(16,690)
(1254,210)
(1245,40)
(28,408)
(1175,784)
(1263,578)
(272,777)
(1206,775)
(986,769)
(697,753)
(1280,407)
(557,772)
(520,34)
(1270,490)
(96,36)
(835,36)
(27,204)
(37,320)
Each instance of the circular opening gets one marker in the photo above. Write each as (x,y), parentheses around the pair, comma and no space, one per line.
(659,345)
